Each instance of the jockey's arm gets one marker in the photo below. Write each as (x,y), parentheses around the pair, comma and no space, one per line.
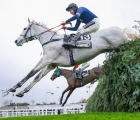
(78,22)
(76,26)
(76,16)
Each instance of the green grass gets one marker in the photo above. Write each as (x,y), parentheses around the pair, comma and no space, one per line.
(84,116)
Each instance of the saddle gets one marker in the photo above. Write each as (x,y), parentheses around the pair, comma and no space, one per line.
(84,74)
(84,41)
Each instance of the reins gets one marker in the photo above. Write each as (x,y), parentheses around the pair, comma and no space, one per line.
(50,29)
(69,75)
(54,27)
(40,34)
(53,35)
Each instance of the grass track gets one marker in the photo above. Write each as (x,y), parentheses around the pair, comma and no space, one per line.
(84,116)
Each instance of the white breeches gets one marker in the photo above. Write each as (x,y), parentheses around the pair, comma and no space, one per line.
(83,66)
(92,28)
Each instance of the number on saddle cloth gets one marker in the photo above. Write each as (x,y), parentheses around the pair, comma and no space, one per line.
(84,41)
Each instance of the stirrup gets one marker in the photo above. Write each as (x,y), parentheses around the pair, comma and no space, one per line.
(80,81)
(79,77)
(72,43)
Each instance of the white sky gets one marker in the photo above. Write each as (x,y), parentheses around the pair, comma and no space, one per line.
(16,62)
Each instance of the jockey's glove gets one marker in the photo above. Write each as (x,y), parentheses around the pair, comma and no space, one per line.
(64,27)
(64,23)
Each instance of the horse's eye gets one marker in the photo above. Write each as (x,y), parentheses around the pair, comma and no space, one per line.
(24,29)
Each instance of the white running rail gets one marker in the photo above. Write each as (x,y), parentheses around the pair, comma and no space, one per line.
(40,112)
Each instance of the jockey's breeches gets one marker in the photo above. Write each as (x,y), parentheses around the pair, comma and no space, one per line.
(83,66)
(87,29)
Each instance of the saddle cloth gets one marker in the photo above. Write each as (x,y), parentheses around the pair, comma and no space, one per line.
(84,41)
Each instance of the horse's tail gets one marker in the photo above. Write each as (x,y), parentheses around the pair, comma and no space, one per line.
(131,33)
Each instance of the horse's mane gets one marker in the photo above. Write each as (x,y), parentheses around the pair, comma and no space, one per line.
(41,24)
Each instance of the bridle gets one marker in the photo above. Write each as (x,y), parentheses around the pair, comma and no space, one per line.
(39,35)
(60,73)
(25,35)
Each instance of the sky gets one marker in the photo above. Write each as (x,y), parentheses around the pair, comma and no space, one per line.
(16,62)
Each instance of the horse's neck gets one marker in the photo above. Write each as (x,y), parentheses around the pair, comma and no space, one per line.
(44,37)
(65,72)
(38,29)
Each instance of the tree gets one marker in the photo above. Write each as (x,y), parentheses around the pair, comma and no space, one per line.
(83,101)
(10,101)
(52,103)
(44,103)
(119,88)
(38,104)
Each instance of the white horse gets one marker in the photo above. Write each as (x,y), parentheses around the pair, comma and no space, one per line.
(55,55)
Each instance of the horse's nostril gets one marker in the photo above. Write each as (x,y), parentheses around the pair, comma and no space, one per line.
(15,41)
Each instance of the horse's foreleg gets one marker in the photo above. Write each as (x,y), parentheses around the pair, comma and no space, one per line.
(42,73)
(71,90)
(19,84)
(67,89)
(37,68)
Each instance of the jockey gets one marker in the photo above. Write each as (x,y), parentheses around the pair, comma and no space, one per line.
(92,24)
(80,68)
(82,15)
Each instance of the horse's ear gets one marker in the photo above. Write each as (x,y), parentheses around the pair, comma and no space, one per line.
(28,20)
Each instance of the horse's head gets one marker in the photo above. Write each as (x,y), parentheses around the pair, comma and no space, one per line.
(28,34)
(56,74)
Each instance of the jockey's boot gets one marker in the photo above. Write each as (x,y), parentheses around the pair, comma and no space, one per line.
(80,74)
(79,77)
(73,40)
(81,82)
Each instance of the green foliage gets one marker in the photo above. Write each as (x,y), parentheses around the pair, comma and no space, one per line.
(19,104)
(83,116)
(119,88)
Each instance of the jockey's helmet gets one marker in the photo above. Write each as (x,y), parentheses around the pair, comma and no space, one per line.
(72,6)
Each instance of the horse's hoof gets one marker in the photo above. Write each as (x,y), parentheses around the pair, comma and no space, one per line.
(12,90)
(19,95)
(62,105)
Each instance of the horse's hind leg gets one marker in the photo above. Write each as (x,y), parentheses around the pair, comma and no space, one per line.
(37,68)
(67,89)
(71,90)
(42,73)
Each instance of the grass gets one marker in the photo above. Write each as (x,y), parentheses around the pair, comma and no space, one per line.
(84,116)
